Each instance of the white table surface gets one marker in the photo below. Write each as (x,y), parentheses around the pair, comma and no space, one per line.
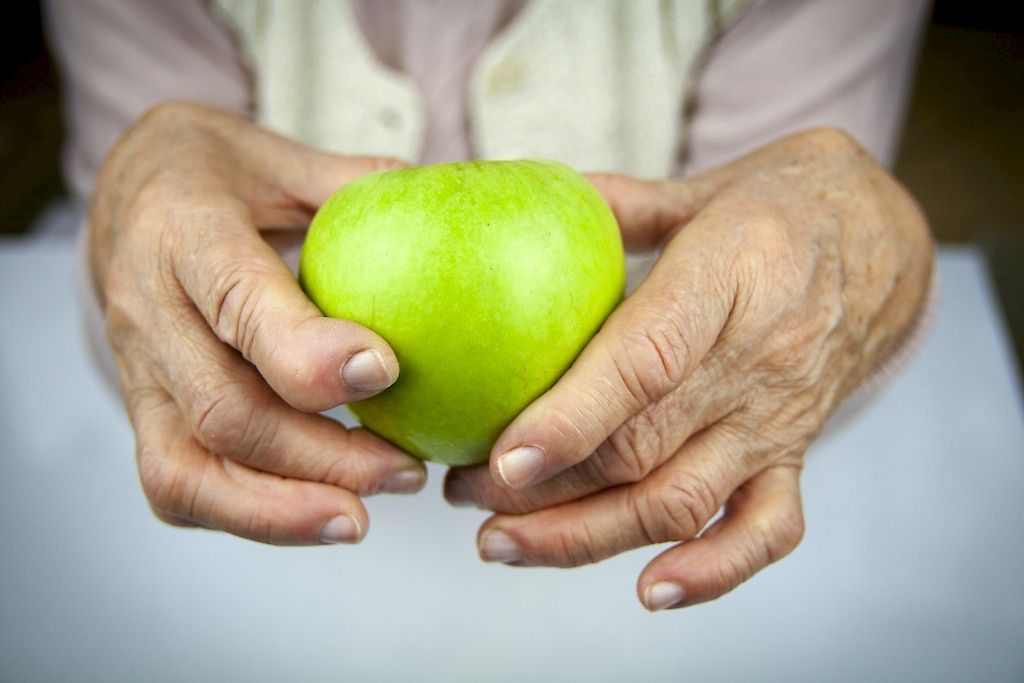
(910,570)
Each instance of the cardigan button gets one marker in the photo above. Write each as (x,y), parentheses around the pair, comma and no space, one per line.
(390,118)
(505,77)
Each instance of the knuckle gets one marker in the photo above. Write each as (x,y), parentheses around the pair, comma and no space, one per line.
(763,222)
(657,356)
(166,487)
(234,303)
(774,273)
(226,420)
(791,361)
(630,453)
(678,509)
(831,139)
(769,261)
(732,570)
(153,479)
(354,474)
(577,427)
(162,188)
(790,536)
(574,546)
(171,112)
(617,460)
(781,535)
(160,197)
(121,312)
(780,428)
(768,541)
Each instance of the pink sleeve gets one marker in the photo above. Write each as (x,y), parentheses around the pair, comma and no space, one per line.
(786,65)
(120,57)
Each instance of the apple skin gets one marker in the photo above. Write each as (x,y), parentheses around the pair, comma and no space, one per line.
(487,278)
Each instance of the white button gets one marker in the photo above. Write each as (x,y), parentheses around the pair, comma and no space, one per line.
(390,118)
(505,77)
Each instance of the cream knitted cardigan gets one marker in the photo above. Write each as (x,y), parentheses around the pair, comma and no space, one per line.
(597,84)
(628,65)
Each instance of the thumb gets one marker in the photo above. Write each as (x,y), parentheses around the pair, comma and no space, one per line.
(254,304)
(652,342)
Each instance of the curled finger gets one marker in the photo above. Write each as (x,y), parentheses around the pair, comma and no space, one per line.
(233,413)
(187,483)
(763,522)
(672,504)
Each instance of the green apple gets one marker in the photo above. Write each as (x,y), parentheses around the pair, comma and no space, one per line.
(487,278)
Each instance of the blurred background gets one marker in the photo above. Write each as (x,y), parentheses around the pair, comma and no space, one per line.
(962,155)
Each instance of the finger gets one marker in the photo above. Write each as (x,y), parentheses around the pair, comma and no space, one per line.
(282,171)
(282,180)
(252,301)
(672,504)
(630,453)
(646,349)
(762,524)
(648,212)
(311,176)
(233,413)
(183,481)
(172,520)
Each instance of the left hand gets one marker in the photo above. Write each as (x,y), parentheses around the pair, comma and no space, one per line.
(785,277)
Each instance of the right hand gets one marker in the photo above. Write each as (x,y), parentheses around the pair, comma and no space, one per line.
(223,361)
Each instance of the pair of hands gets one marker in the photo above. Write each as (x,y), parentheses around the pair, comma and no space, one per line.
(784,278)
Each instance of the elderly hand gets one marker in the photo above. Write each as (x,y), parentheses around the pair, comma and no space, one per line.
(223,361)
(785,277)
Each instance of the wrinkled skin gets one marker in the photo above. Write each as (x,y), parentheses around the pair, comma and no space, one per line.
(223,361)
(785,278)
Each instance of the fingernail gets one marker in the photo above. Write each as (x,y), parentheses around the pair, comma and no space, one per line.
(340,529)
(459,493)
(663,594)
(520,466)
(365,371)
(406,481)
(497,546)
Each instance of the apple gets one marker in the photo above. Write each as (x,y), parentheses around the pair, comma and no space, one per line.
(487,278)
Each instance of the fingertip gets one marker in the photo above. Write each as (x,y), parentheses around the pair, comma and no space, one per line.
(343,528)
(662,595)
(497,545)
(520,467)
(353,167)
(320,174)
(328,362)
(369,371)
(762,525)
(458,492)
(405,481)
